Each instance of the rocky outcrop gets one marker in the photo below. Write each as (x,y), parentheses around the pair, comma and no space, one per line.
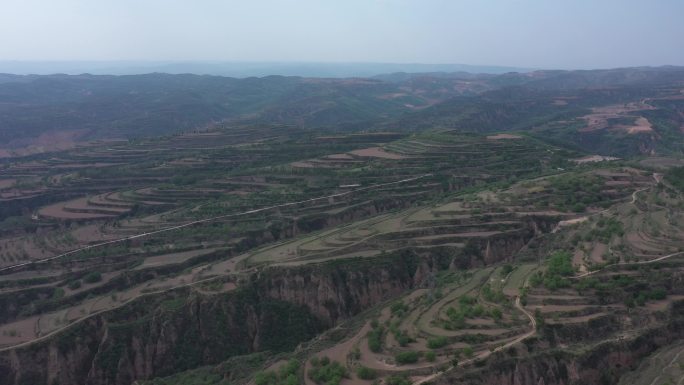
(161,335)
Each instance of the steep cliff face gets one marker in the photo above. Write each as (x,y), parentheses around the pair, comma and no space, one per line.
(276,310)
(344,292)
(598,363)
(161,335)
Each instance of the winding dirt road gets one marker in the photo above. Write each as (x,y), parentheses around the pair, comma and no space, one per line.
(485,354)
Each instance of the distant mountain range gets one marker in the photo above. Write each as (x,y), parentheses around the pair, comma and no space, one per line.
(239,69)
(39,113)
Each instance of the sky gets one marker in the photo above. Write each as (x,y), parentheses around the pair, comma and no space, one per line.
(564,34)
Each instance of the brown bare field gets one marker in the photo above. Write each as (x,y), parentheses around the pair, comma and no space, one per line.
(503,136)
(302,165)
(80,209)
(575,320)
(617,183)
(597,252)
(376,152)
(663,162)
(57,212)
(340,156)
(18,332)
(600,117)
(49,141)
(578,260)
(6,183)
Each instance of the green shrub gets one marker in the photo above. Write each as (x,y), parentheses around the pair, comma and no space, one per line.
(365,373)
(399,308)
(403,339)
(409,357)
(658,294)
(93,277)
(375,339)
(58,293)
(675,176)
(505,270)
(496,314)
(430,356)
(437,342)
(327,372)
(287,375)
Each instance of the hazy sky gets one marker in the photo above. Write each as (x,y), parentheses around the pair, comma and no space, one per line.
(527,33)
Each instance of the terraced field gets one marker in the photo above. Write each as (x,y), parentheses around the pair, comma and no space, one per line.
(461,318)
(512,246)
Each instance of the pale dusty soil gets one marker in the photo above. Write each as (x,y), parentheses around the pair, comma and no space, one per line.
(481,321)
(503,136)
(302,165)
(544,295)
(478,234)
(571,320)
(5,183)
(392,95)
(635,239)
(594,158)
(569,222)
(24,330)
(560,308)
(663,162)
(596,254)
(172,258)
(613,174)
(90,234)
(49,141)
(578,260)
(339,156)
(30,274)
(662,305)
(642,125)
(599,118)
(105,200)
(84,204)
(83,165)
(376,152)
(618,183)
(58,211)
(21,247)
